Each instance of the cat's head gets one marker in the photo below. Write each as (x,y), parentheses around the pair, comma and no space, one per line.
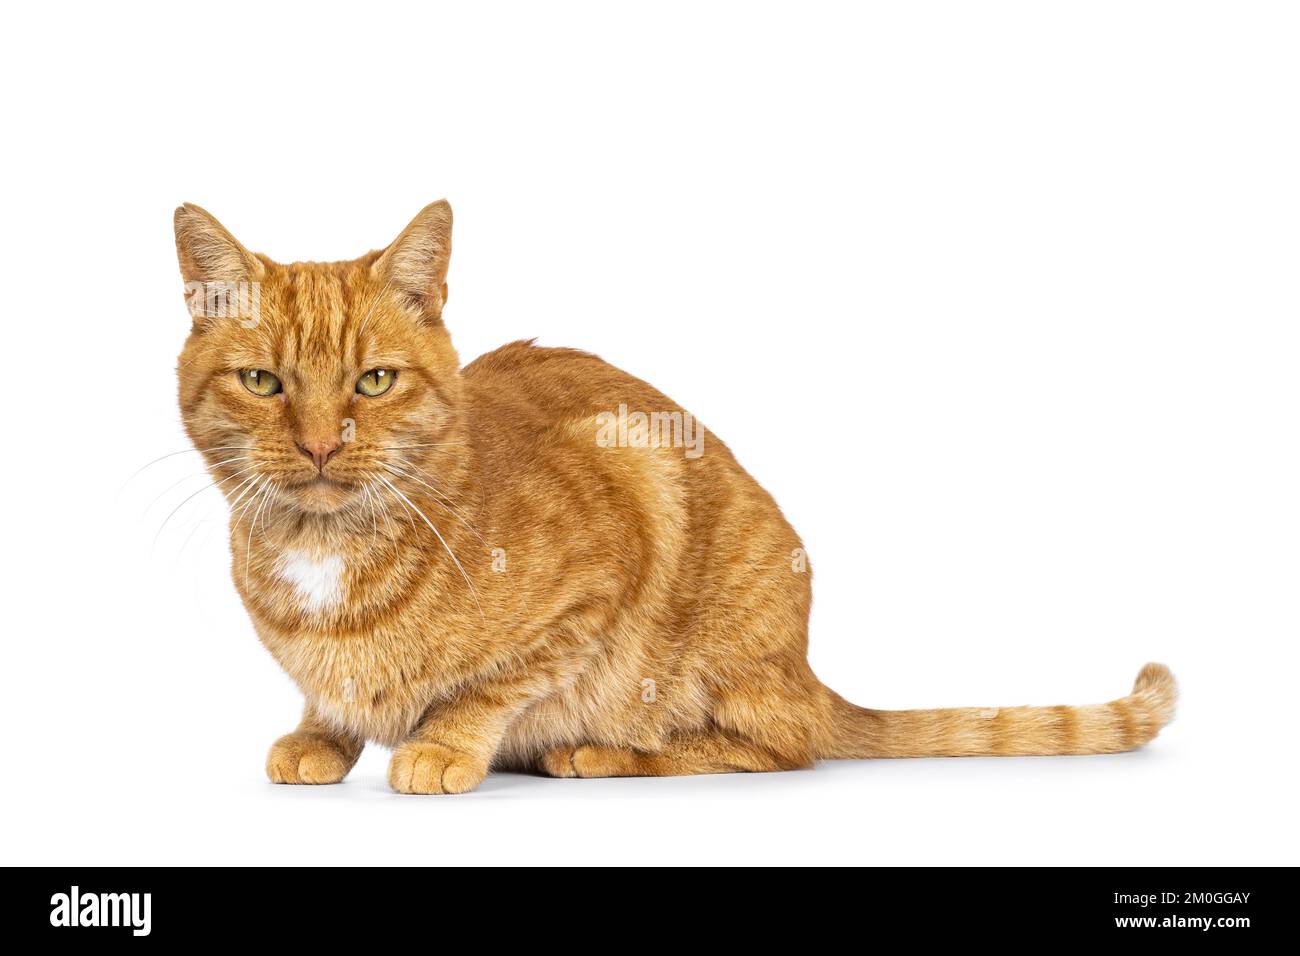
(319,381)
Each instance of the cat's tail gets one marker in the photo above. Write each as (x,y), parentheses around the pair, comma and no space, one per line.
(1123,724)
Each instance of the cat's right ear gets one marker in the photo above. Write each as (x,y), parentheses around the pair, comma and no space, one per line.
(210,257)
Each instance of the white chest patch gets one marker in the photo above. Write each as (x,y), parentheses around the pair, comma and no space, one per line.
(318,579)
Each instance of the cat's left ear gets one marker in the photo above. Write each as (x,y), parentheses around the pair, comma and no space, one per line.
(415,265)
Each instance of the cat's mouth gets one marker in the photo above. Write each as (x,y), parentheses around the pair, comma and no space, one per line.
(322,494)
(320,481)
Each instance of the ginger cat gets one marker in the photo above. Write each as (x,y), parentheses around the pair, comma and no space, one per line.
(478,568)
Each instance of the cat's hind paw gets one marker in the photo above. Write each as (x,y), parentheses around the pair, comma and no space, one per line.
(588,761)
(558,762)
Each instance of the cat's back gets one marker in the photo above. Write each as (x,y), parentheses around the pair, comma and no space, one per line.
(564,409)
(557,383)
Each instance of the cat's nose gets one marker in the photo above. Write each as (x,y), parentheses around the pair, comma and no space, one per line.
(319,450)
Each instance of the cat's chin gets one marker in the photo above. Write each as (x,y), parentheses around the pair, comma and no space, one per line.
(322,496)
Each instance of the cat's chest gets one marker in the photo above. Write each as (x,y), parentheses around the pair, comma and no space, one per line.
(351,688)
(311,580)
(364,684)
(360,679)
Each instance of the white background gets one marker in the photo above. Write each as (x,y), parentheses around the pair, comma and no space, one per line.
(999,300)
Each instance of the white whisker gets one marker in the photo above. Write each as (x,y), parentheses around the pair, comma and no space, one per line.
(215,484)
(248,546)
(201,474)
(183,451)
(383,505)
(190,537)
(440,500)
(247,489)
(436,444)
(455,560)
(374,516)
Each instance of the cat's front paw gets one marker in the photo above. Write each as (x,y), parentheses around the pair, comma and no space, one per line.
(433,768)
(308,758)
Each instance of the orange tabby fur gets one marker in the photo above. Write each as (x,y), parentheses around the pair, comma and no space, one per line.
(582,575)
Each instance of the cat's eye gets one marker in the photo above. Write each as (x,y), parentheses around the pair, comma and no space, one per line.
(260,382)
(376,381)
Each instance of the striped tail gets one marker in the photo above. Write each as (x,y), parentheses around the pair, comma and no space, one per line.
(1123,724)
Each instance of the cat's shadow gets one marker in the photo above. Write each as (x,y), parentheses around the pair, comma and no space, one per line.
(522,786)
(371,784)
